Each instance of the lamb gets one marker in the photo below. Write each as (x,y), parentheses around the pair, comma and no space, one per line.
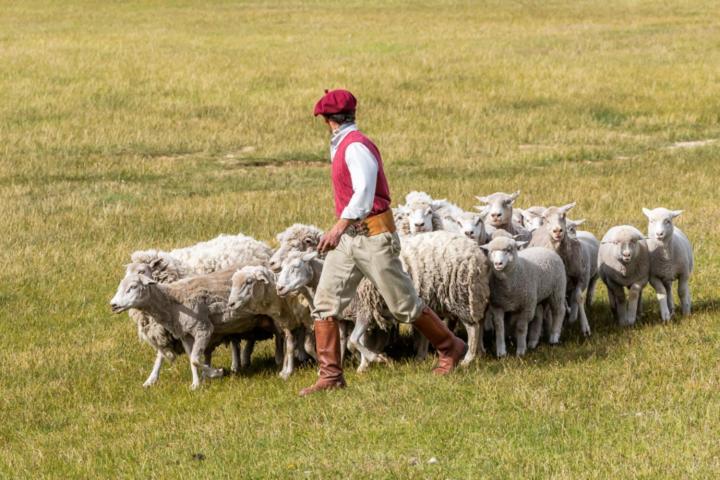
(223,251)
(451,275)
(191,309)
(301,273)
(498,213)
(624,262)
(590,246)
(671,258)
(525,283)
(254,291)
(553,235)
(298,237)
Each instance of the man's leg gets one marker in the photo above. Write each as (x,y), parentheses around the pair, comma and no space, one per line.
(380,263)
(336,288)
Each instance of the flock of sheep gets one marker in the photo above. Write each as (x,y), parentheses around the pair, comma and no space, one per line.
(530,271)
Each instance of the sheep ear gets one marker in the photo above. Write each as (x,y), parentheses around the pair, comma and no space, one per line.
(514,196)
(568,207)
(482,199)
(479,220)
(309,256)
(675,213)
(520,244)
(485,247)
(646,211)
(146,280)
(578,222)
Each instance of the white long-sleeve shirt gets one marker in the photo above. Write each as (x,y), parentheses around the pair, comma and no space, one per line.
(363,167)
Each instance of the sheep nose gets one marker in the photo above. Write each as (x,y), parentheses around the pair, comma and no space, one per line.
(468,234)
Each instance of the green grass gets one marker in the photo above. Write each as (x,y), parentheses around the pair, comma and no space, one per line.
(155,124)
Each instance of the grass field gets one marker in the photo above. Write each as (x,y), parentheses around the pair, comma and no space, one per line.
(127,125)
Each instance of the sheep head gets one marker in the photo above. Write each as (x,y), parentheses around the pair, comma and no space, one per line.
(248,283)
(498,208)
(660,223)
(502,251)
(296,272)
(133,292)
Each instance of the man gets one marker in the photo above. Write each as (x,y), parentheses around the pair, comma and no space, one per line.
(363,242)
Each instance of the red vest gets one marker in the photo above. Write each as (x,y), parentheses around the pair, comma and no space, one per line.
(342,183)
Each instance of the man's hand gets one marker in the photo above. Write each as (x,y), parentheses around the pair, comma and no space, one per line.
(332,237)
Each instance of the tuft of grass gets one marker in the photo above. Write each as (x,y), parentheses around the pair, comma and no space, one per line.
(135,125)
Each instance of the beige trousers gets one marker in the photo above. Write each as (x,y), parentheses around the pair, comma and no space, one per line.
(377,259)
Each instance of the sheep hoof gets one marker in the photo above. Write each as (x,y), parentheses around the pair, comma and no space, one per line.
(382,359)
(362,368)
(586,333)
(195,386)
(284,375)
(149,382)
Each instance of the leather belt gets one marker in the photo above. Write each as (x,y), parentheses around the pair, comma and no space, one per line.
(374,225)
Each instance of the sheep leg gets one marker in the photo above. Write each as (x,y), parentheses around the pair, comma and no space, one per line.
(558,311)
(473,332)
(633,303)
(289,363)
(684,294)
(246,353)
(616,294)
(575,297)
(202,338)
(234,356)
(310,344)
(343,340)
(498,318)
(421,344)
(300,352)
(522,320)
(661,295)
(584,324)
(155,373)
(188,342)
(279,349)
(670,301)
(590,293)
(536,328)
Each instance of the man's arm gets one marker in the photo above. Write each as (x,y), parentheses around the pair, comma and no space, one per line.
(363,168)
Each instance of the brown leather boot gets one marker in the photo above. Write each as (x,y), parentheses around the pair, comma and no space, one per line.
(327,347)
(450,348)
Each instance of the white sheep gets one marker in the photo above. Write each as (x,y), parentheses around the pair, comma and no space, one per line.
(192,309)
(254,291)
(553,235)
(421,213)
(590,245)
(224,251)
(624,262)
(451,275)
(523,284)
(498,213)
(299,238)
(301,272)
(671,258)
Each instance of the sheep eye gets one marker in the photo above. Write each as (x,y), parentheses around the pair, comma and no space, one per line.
(248,281)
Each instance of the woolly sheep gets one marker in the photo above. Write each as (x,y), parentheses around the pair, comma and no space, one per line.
(498,212)
(553,235)
(190,309)
(301,273)
(221,252)
(450,273)
(253,290)
(590,245)
(624,262)
(298,237)
(521,281)
(671,258)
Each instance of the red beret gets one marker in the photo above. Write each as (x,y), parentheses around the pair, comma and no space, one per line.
(335,101)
